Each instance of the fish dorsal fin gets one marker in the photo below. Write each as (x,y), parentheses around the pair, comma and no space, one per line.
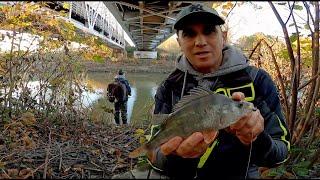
(158,119)
(195,93)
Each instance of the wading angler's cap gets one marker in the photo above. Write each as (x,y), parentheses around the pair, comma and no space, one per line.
(120,72)
(197,12)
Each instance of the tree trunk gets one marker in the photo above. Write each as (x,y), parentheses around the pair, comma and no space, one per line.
(294,80)
(314,91)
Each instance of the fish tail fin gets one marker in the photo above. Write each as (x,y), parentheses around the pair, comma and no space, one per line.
(140,150)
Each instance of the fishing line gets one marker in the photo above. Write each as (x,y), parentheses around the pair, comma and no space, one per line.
(249,157)
(149,172)
(184,83)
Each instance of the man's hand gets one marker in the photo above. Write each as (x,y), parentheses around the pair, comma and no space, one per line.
(192,147)
(247,128)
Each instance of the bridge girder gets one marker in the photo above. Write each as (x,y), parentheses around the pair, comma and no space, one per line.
(148,23)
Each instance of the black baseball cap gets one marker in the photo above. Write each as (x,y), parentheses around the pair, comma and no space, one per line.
(197,12)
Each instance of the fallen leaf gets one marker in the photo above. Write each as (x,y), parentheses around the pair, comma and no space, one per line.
(96,152)
(111,150)
(12,133)
(28,119)
(28,160)
(2,164)
(49,172)
(27,142)
(118,153)
(25,173)
(78,166)
(139,132)
(142,140)
(65,172)
(13,145)
(4,176)
(288,175)
(13,172)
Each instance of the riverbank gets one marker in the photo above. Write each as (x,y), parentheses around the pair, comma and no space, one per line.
(144,66)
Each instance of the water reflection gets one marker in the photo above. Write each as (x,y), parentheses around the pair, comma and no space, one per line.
(89,97)
(143,89)
(131,102)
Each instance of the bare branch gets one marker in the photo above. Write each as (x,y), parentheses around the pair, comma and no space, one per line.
(294,92)
(298,59)
(254,49)
(283,92)
(291,10)
(286,34)
(231,9)
(308,10)
(308,82)
(313,96)
(308,19)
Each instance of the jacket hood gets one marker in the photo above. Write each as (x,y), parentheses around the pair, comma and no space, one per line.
(233,60)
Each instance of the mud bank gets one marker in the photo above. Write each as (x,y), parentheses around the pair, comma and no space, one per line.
(146,67)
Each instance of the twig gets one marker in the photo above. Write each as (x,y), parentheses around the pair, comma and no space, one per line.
(60,162)
(107,144)
(7,156)
(4,172)
(308,82)
(96,165)
(82,173)
(9,126)
(92,169)
(119,135)
(47,156)
(308,20)
(309,12)
(231,9)
(43,164)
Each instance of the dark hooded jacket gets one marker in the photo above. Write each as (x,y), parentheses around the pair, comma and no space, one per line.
(121,79)
(229,157)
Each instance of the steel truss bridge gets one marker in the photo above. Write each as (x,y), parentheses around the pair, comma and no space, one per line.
(147,23)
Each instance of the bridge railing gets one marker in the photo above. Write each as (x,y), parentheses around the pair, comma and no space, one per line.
(96,17)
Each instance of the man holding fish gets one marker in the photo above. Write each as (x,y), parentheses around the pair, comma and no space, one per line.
(204,134)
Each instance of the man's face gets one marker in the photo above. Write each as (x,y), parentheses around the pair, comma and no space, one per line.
(202,44)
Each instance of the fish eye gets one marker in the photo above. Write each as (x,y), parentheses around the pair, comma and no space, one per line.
(240,105)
